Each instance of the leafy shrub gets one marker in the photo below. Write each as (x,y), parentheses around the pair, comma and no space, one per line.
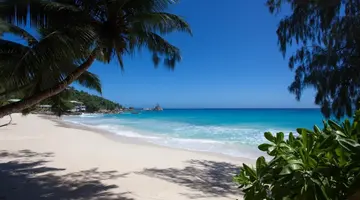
(318,164)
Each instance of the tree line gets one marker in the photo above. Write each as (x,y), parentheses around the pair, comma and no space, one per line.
(93,103)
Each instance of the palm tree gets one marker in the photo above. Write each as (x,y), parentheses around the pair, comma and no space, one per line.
(44,76)
(87,30)
(25,81)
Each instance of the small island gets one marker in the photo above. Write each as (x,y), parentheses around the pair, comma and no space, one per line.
(156,108)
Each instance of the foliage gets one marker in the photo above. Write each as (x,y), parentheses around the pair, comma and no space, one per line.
(25,81)
(60,103)
(317,164)
(74,32)
(28,110)
(327,58)
(93,103)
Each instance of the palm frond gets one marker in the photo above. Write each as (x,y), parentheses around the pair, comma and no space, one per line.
(60,5)
(46,62)
(6,27)
(147,5)
(18,91)
(156,44)
(91,81)
(160,22)
(60,103)
(10,54)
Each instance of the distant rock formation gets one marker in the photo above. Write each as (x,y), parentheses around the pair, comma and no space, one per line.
(157,108)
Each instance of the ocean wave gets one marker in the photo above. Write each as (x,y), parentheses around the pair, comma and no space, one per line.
(90,115)
(242,134)
(232,141)
(230,148)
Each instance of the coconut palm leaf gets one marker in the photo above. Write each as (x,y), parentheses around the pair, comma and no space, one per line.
(15,30)
(83,30)
(147,5)
(90,80)
(161,22)
(48,71)
(112,20)
(20,63)
(60,103)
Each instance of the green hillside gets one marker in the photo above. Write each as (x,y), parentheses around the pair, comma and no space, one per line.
(93,103)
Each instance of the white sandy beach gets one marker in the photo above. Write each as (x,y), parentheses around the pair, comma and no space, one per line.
(42,159)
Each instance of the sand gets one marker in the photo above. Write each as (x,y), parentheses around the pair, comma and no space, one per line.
(44,159)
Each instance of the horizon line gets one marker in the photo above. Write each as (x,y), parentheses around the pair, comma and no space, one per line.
(231,108)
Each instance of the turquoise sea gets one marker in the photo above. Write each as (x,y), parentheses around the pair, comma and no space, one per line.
(234,132)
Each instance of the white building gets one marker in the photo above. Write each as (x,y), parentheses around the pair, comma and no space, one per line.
(79,106)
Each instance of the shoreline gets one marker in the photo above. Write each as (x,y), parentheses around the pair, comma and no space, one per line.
(133,140)
(40,157)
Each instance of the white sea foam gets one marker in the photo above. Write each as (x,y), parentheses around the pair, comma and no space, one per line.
(230,140)
(90,115)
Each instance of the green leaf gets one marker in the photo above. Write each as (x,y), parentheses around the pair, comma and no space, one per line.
(260,163)
(291,138)
(279,137)
(295,162)
(299,130)
(334,125)
(285,171)
(350,145)
(340,133)
(269,137)
(294,166)
(317,130)
(264,147)
(249,171)
(302,155)
(284,145)
(274,161)
(304,138)
(310,143)
(327,142)
(347,128)
(312,162)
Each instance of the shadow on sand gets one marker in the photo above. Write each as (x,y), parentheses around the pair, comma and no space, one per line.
(212,179)
(27,177)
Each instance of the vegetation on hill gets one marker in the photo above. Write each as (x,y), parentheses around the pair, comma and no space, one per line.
(93,103)
(61,103)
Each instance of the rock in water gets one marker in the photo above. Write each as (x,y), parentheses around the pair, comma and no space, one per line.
(158,108)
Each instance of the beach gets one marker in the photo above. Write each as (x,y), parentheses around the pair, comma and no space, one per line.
(44,159)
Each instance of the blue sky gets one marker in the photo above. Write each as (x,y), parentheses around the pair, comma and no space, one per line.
(232,61)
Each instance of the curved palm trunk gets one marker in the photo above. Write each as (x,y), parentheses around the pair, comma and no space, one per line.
(40,96)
